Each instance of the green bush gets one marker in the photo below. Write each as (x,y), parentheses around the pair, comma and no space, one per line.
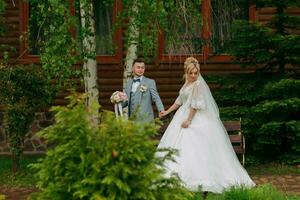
(115,160)
(2,197)
(269,106)
(262,192)
(273,46)
(23,90)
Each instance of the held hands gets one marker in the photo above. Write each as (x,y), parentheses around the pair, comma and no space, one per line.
(162,113)
(186,124)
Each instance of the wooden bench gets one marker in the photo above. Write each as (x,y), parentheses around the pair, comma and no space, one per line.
(234,129)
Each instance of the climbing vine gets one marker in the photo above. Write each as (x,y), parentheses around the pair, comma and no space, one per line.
(177,20)
(60,37)
(61,33)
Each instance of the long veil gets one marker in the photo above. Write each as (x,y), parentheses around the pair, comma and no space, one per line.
(210,102)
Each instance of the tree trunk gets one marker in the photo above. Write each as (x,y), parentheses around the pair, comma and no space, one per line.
(89,47)
(132,48)
(130,56)
(131,53)
(15,163)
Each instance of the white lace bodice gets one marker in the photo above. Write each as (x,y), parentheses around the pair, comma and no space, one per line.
(191,96)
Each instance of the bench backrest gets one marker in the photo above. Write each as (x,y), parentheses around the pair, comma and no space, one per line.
(233,126)
(234,129)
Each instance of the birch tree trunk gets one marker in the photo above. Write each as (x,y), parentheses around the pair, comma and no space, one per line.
(131,51)
(130,56)
(89,47)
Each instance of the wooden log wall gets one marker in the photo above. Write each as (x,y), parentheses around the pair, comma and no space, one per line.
(12,27)
(168,76)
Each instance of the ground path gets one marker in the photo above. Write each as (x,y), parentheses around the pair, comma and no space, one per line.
(287,183)
(16,193)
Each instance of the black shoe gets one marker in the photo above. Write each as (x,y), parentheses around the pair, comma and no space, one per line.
(204,194)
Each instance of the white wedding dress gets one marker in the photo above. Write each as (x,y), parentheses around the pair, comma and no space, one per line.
(205,155)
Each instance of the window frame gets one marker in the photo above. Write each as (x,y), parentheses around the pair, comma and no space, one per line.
(26,57)
(207,55)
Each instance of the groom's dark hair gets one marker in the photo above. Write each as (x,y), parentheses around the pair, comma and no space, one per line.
(138,60)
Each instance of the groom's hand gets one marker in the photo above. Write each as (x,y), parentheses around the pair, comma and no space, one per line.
(162,113)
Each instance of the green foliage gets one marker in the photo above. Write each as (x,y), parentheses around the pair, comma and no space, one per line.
(24,178)
(84,10)
(2,197)
(115,160)
(24,85)
(272,46)
(224,14)
(2,9)
(58,46)
(181,24)
(24,90)
(262,192)
(269,107)
(144,20)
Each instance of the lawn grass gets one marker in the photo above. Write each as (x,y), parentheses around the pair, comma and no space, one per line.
(24,177)
(273,169)
(261,192)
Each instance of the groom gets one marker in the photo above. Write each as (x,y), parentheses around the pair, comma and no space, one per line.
(141,92)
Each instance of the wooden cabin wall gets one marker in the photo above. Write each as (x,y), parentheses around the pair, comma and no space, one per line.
(12,27)
(168,75)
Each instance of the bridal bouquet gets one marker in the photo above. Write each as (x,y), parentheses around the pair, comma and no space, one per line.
(117,98)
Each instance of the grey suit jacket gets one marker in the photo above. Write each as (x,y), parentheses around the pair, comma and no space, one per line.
(141,105)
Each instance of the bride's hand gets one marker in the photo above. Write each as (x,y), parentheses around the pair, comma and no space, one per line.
(162,113)
(186,124)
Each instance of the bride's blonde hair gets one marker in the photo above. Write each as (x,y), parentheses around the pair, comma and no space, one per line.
(189,64)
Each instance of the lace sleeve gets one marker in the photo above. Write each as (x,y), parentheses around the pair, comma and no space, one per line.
(197,101)
(178,101)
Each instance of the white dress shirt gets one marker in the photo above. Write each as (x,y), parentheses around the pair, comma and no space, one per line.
(135,85)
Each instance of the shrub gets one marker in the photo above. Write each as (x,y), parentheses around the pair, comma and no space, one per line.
(23,90)
(273,46)
(269,107)
(115,160)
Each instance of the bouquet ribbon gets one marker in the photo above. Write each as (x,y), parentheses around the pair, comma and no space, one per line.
(118,109)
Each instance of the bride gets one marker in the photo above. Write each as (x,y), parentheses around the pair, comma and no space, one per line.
(205,156)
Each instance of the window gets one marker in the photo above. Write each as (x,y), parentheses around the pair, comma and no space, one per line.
(104,28)
(184,35)
(224,13)
(35,36)
(108,41)
(206,38)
